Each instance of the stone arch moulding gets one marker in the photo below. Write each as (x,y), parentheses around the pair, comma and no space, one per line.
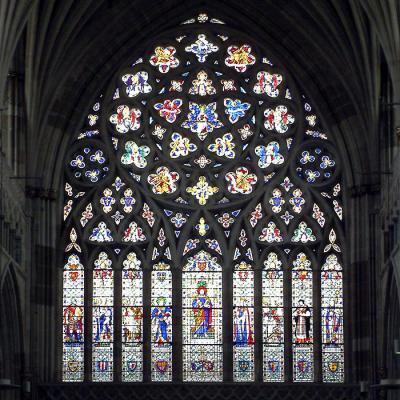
(204,237)
(12,361)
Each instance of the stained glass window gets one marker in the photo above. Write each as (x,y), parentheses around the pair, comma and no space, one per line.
(273,319)
(243,322)
(103,319)
(161,322)
(203,212)
(202,319)
(132,319)
(302,319)
(73,320)
(332,319)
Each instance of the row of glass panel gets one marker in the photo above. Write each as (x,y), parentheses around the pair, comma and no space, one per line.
(202,321)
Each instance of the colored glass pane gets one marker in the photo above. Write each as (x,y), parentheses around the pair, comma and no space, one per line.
(161,322)
(302,319)
(132,319)
(202,319)
(73,320)
(273,319)
(332,320)
(103,319)
(203,134)
(243,322)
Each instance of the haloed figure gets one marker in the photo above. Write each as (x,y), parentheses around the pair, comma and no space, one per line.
(202,311)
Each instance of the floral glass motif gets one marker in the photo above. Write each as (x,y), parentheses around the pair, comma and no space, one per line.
(180,146)
(135,154)
(223,147)
(241,181)
(164,58)
(276,201)
(235,109)
(132,319)
(163,181)
(303,234)
(202,190)
(202,119)
(107,201)
(297,201)
(134,233)
(239,57)
(202,86)
(127,200)
(136,84)
(278,119)
(201,48)
(267,83)
(269,155)
(126,119)
(200,157)
(315,165)
(271,234)
(89,165)
(169,109)
(101,233)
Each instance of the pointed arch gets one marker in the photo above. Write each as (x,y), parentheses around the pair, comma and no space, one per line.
(204,157)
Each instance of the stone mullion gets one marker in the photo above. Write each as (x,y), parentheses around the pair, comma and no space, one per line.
(317,334)
(146,336)
(288,335)
(227,319)
(88,321)
(177,329)
(258,324)
(117,323)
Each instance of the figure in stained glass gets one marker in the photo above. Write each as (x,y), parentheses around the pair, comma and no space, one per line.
(161,317)
(73,323)
(103,317)
(202,119)
(242,330)
(202,312)
(219,154)
(269,155)
(333,322)
(137,83)
(126,119)
(267,83)
(202,85)
(101,233)
(302,317)
(132,324)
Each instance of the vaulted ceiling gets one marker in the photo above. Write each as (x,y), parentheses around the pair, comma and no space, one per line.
(337,50)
